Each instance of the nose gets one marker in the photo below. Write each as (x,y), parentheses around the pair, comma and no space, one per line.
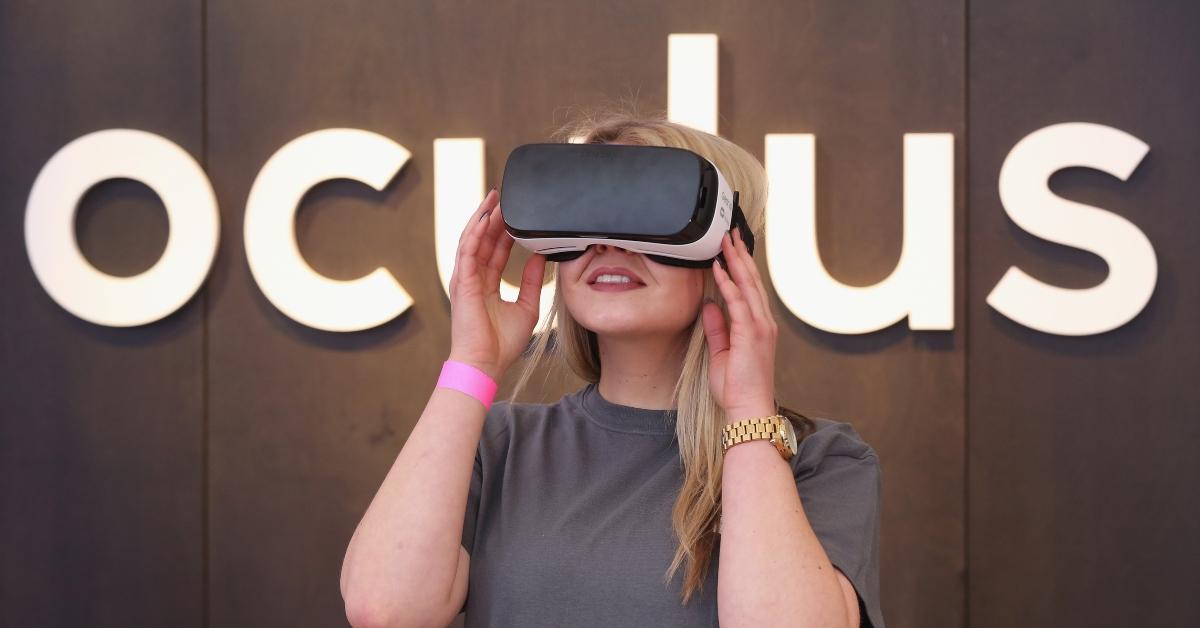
(603,248)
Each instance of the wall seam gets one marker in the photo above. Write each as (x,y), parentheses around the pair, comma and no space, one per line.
(204,342)
(966,196)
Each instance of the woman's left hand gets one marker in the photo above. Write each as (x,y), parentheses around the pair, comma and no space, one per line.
(741,368)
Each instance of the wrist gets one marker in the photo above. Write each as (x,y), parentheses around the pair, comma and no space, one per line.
(740,413)
(491,369)
(468,379)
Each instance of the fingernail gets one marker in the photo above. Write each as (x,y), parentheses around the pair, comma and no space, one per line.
(738,231)
(485,215)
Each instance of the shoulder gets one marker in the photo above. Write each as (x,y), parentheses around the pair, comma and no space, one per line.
(507,420)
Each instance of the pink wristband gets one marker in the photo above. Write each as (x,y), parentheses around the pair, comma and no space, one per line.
(468,379)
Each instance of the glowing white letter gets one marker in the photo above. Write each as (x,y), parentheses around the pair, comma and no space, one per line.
(192,227)
(921,286)
(692,81)
(1026,196)
(288,282)
(457,192)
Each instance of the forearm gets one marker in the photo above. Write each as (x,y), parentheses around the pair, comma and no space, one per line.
(405,552)
(773,569)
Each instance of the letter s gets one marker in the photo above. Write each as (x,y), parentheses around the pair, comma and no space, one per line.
(1026,197)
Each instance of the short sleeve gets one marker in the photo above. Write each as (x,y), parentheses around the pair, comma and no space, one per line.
(471,518)
(490,448)
(495,428)
(839,479)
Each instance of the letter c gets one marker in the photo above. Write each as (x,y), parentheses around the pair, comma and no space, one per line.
(272,253)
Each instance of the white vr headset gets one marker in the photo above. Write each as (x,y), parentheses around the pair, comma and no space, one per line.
(668,203)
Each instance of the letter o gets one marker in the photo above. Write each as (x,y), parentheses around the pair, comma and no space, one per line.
(192,217)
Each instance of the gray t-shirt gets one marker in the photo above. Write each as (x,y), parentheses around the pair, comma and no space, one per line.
(568,519)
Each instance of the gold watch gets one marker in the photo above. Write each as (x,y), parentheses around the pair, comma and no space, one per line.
(776,428)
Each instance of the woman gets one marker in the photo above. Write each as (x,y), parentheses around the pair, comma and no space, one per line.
(615,505)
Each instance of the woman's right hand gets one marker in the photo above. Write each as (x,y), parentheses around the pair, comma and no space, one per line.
(486,331)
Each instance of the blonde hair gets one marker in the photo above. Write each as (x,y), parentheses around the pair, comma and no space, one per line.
(699,419)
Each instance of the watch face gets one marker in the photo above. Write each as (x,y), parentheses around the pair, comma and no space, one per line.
(790,434)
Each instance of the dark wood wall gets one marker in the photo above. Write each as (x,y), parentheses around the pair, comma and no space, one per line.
(102,430)
(208,469)
(1081,466)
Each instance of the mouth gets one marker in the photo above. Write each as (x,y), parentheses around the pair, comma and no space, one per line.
(616,287)
(612,277)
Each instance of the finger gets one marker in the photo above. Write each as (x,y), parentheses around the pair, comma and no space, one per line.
(758,281)
(739,310)
(744,272)
(500,253)
(489,201)
(529,296)
(468,251)
(465,267)
(737,271)
(497,230)
(487,240)
(473,224)
(715,329)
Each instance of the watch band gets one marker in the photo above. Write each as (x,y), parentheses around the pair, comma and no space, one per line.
(751,429)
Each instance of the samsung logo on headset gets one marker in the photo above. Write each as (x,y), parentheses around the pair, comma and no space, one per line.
(919,289)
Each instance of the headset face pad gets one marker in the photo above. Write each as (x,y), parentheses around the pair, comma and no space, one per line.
(669,203)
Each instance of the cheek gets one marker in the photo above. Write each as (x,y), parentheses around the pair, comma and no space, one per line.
(570,270)
(567,280)
(683,302)
(688,286)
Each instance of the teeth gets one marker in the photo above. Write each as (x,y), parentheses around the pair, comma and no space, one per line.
(612,279)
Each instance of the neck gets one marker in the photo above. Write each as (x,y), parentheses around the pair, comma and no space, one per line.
(640,371)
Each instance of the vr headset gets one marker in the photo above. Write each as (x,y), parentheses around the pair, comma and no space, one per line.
(668,203)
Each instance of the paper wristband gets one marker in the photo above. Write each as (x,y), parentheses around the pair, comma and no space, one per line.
(468,379)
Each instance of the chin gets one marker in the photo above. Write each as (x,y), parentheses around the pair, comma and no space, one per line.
(645,312)
(632,324)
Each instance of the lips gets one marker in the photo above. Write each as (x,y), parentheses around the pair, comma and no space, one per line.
(614,270)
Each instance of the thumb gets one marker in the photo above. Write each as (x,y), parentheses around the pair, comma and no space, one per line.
(530,294)
(714,328)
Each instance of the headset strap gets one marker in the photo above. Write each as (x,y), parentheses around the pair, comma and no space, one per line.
(739,220)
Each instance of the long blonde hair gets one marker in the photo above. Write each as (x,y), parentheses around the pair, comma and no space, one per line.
(699,419)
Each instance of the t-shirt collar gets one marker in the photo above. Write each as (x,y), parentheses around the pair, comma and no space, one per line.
(621,418)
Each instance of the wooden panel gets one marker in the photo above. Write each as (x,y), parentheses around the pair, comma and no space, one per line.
(306,423)
(859,76)
(1082,470)
(100,428)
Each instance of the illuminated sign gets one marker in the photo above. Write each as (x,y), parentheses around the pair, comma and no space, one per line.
(920,288)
